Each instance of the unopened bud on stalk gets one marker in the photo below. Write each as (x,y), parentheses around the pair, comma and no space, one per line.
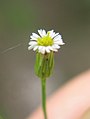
(44,64)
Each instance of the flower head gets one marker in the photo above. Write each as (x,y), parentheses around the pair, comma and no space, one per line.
(45,42)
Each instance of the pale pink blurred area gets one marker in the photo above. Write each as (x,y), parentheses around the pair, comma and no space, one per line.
(71,101)
(20,89)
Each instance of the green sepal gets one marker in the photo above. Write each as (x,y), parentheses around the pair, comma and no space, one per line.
(44,64)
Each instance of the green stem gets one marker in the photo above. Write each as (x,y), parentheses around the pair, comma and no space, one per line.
(43,81)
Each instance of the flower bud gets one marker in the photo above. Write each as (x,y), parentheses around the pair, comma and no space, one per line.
(44,64)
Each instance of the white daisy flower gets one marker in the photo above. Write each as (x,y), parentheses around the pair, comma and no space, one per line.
(45,42)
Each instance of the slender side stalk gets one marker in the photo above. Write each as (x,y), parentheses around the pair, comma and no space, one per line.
(43,82)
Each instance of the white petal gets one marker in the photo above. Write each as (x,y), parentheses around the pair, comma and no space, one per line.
(44,32)
(35,48)
(40,48)
(30,47)
(55,50)
(55,46)
(47,49)
(54,35)
(51,33)
(43,50)
(40,32)
(33,38)
(58,37)
(50,48)
(59,42)
(35,35)
(32,43)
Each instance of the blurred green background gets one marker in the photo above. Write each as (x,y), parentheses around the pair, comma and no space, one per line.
(20,90)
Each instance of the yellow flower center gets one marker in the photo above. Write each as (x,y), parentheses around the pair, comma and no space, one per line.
(45,41)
